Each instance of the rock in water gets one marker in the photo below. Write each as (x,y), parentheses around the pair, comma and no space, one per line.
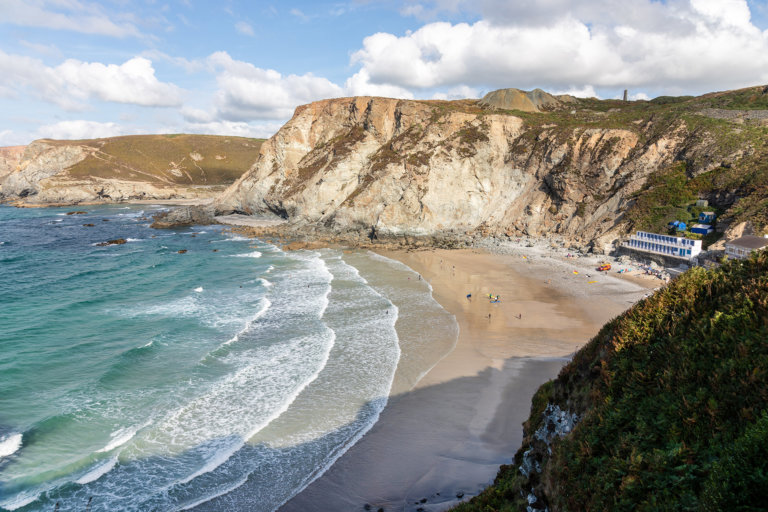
(185,216)
(116,241)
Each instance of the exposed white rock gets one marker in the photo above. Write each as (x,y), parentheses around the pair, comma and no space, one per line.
(403,167)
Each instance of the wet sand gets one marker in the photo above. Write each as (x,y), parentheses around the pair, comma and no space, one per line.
(443,440)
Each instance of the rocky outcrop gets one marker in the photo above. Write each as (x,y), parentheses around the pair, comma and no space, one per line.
(40,162)
(525,101)
(196,215)
(392,168)
(10,157)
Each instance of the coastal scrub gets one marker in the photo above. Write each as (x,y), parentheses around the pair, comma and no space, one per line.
(672,401)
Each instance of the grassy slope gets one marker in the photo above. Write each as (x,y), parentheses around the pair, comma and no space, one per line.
(673,400)
(150,158)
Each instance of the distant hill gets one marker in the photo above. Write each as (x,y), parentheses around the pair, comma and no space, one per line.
(525,101)
(665,409)
(130,167)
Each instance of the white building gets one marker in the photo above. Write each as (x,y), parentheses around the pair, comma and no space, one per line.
(664,245)
(741,248)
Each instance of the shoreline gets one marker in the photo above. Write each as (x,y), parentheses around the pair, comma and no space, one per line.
(443,441)
(198,201)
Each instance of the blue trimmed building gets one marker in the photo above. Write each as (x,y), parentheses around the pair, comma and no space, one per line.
(664,245)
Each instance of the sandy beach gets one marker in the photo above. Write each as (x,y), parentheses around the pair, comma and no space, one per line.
(443,440)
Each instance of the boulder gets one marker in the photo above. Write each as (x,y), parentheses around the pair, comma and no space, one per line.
(197,215)
(116,241)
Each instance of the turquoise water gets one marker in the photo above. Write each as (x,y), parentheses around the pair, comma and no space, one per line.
(229,376)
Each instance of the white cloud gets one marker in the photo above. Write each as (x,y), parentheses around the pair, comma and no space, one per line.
(244,28)
(247,93)
(586,91)
(87,18)
(132,82)
(72,83)
(189,65)
(11,138)
(79,129)
(458,93)
(299,14)
(679,45)
(234,128)
(196,115)
(360,84)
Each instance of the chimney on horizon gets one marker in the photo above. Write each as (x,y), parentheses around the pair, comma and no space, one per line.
(625,95)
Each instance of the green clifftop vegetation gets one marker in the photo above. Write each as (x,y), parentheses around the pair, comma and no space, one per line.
(671,401)
(724,157)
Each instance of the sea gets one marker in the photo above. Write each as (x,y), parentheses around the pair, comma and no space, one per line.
(191,368)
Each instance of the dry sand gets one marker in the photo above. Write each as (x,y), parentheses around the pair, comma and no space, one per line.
(444,440)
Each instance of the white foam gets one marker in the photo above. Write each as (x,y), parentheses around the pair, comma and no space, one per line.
(254,254)
(119,438)
(134,239)
(98,471)
(20,500)
(265,304)
(184,307)
(223,456)
(10,444)
(269,381)
(342,271)
(215,461)
(233,238)
(199,289)
(264,282)
(222,492)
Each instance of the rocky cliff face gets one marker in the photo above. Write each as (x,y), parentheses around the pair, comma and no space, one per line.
(387,167)
(10,157)
(39,163)
(125,168)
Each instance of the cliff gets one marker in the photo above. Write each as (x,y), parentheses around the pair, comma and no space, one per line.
(124,168)
(10,157)
(665,409)
(586,170)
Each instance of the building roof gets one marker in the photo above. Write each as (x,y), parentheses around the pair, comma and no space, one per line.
(750,242)
(702,226)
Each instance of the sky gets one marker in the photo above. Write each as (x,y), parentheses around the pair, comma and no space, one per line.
(74,69)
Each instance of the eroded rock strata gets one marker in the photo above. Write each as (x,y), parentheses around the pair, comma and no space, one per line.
(370,167)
